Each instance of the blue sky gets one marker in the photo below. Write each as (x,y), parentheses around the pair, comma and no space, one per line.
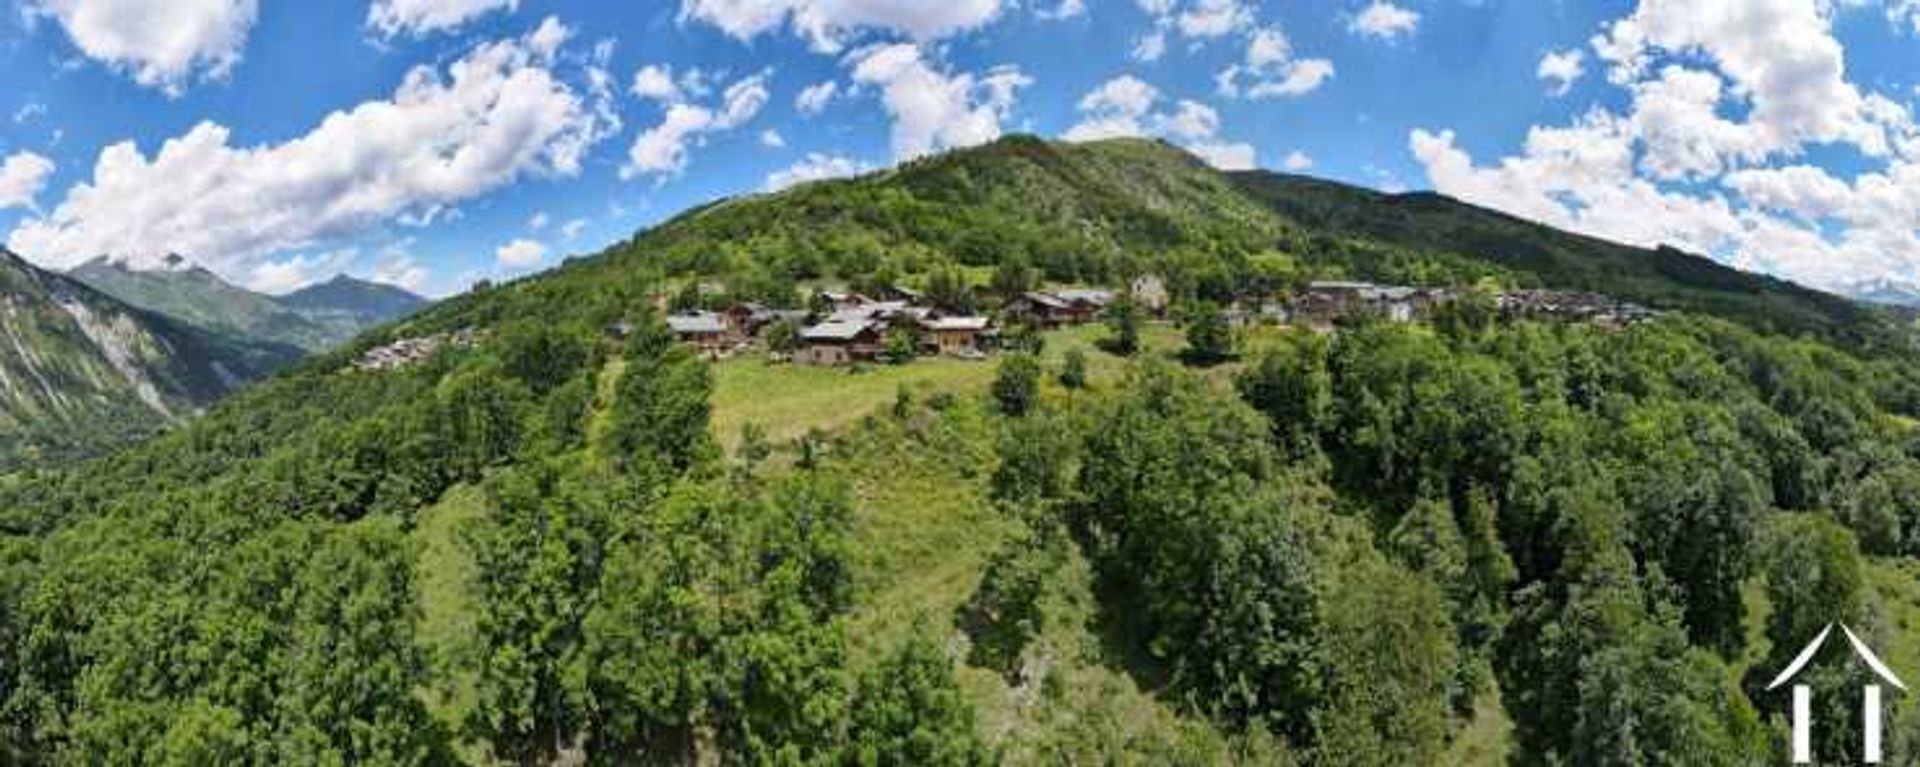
(436,142)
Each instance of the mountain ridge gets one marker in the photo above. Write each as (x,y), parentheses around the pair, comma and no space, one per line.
(313,318)
(83,371)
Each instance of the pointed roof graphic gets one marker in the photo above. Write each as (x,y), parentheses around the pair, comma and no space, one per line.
(1859,648)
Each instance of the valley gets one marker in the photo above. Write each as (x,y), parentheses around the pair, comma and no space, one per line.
(1286,522)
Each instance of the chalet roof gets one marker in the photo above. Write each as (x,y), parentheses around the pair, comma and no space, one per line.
(696,323)
(954,323)
(1338,285)
(1085,296)
(836,330)
(1048,300)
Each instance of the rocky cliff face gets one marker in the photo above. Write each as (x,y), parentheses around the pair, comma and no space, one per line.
(81,371)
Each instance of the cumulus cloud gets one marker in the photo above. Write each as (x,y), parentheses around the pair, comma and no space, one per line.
(392,18)
(1125,107)
(772,139)
(1725,96)
(1385,21)
(1065,9)
(1150,47)
(496,115)
(520,254)
(164,44)
(1297,162)
(664,150)
(571,230)
(816,167)
(1269,70)
(1781,53)
(829,25)
(814,99)
(1561,69)
(538,222)
(22,177)
(656,83)
(934,109)
(1214,18)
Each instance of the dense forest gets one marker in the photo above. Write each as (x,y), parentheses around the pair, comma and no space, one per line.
(1476,539)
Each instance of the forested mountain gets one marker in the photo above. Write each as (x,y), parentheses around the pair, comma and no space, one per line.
(1477,540)
(81,371)
(312,318)
(361,302)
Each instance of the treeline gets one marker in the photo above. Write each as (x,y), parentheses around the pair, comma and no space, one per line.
(1389,523)
(245,590)
(1340,559)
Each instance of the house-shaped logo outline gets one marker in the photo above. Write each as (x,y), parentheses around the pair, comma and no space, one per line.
(1802,740)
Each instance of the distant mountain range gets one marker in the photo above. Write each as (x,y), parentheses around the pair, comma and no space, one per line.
(81,371)
(313,318)
(109,353)
(1884,291)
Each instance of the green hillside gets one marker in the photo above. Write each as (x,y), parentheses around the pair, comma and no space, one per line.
(1475,540)
(1663,277)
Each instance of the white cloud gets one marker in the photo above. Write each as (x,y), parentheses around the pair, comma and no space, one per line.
(1150,47)
(29,111)
(22,177)
(280,276)
(934,110)
(1562,69)
(571,230)
(664,150)
(816,167)
(829,25)
(1780,56)
(496,115)
(392,18)
(743,100)
(397,267)
(814,99)
(1725,99)
(1224,155)
(1065,9)
(520,254)
(1124,107)
(1297,162)
(1385,21)
(1214,18)
(772,139)
(538,222)
(164,44)
(1270,70)
(656,83)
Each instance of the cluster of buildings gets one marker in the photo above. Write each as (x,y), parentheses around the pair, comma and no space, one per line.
(1574,305)
(850,327)
(408,351)
(856,329)
(1324,302)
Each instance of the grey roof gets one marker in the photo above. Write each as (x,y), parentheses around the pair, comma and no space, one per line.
(836,330)
(954,323)
(1339,285)
(1046,299)
(1085,295)
(696,323)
